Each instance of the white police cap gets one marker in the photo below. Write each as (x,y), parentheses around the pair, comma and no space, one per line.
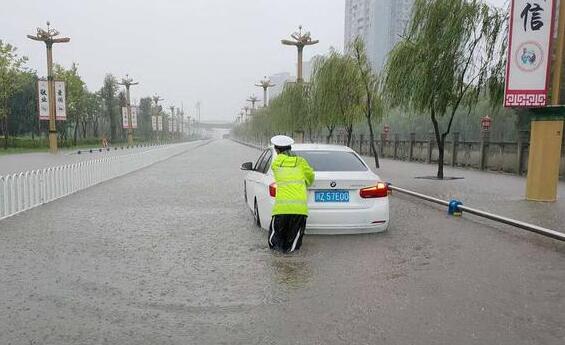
(282,141)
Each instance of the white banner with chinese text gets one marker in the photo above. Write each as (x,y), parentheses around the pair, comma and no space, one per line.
(529,53)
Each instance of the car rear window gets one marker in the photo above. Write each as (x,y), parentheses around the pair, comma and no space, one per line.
(332,160)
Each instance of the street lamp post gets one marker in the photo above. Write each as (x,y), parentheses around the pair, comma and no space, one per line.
(246,110)
(300,40)
(265,84)
(253,99)
(48,37)
(156,100)
(172,107)
(127,82)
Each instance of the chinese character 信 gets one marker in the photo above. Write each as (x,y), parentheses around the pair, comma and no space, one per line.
(60,99)
(535,19)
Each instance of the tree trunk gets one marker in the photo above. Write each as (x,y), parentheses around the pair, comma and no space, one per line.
(440,143)
(373,147)
(441,149)
(349,131)
(84,128)
(5,132)
(95,128)
(329,136)
(113,127)
(75,134)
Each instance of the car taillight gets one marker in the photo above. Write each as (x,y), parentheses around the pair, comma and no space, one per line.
(273,190)
(378,191)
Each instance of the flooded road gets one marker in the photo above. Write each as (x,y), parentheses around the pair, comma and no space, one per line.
(170,255)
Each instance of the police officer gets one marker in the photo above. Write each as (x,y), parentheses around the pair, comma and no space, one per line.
(293,175)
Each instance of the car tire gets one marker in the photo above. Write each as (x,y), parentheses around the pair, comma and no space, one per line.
(256,214)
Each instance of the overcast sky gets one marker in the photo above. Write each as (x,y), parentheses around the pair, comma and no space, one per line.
(184,50)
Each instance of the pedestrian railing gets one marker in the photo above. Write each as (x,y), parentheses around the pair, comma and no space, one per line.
(23,191)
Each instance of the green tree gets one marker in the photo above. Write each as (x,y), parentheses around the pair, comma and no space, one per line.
(23,117)
(76,96)
(449,52)
(11,67)
(110,104)
(145,113)
(337,92)
(371,97)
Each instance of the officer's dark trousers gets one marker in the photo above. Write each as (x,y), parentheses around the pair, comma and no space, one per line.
(286,232)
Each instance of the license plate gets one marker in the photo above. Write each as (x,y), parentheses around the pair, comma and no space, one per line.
(331,196)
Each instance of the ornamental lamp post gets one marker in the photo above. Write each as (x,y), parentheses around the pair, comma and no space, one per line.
(48,37)
(246,110)
(265,84)
(300,40)
(156,111)
(253,99)
(127,82)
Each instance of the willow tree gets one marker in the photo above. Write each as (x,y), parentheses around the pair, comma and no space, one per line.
(371,98)
(445,60)
(337,92)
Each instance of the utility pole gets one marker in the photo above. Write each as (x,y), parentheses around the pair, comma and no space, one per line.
(48,37)
(265,84)
(300,41)
(127,82)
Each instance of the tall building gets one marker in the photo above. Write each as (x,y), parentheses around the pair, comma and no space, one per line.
(380,23)
(279,79)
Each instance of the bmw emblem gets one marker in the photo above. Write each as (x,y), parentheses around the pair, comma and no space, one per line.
(333,184)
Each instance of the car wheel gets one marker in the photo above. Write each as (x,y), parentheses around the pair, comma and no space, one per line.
(256,214)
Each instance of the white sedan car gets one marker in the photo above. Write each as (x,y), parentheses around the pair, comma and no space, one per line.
(346,197)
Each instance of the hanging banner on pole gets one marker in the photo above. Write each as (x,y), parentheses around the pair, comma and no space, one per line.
(43,99)
(125,123)
(60,101)
(529,53)
(154,123)
(134,112)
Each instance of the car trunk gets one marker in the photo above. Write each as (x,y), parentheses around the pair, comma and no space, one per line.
(351,182)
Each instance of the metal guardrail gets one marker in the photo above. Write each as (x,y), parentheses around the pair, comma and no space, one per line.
(509,221)
(23,191)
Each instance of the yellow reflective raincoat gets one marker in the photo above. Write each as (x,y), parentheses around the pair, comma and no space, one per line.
(293,175)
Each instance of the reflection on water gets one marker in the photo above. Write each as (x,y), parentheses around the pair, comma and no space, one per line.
(291,272)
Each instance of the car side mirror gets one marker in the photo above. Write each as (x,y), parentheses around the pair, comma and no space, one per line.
(247,166)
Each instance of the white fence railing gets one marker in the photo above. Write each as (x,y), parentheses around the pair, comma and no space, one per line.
(26,190)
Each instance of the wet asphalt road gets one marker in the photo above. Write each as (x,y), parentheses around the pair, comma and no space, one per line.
(169,255)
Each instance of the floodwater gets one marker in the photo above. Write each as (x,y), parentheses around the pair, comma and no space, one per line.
(170,255)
